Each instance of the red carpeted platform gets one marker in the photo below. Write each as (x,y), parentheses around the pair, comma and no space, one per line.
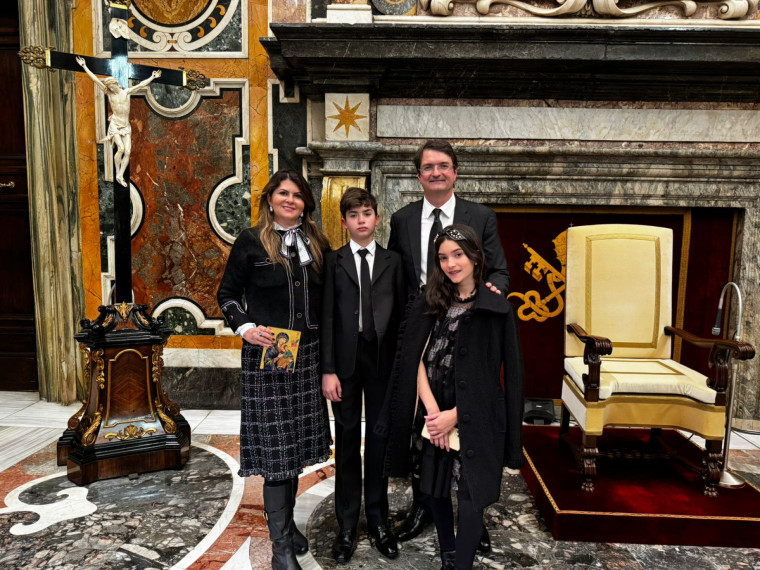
(640,502)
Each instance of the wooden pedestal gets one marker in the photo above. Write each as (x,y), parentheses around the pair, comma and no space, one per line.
(127,424)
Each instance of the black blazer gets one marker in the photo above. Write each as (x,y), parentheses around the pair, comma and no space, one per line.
(273,297)
(339,331)
(406,225)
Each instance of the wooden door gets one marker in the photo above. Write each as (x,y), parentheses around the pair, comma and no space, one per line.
(18,356)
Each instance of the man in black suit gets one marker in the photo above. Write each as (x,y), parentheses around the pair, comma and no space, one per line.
(413,229)
(362,306)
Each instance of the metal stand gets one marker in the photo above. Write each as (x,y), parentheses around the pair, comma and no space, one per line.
(728,479)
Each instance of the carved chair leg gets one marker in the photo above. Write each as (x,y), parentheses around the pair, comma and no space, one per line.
(589,453)
(711,463)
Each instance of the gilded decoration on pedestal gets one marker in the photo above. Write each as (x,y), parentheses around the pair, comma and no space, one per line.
(130,432)
(74,420)
(726,10)
(534,305)
(124,309)
(158,362)
(169,425)
(97,357)
(88,438)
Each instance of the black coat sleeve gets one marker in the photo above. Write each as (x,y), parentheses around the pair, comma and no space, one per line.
(514,392)
(231,292)
(496,263)
(327,316)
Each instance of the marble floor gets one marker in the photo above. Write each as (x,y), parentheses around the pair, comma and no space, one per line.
(206,517)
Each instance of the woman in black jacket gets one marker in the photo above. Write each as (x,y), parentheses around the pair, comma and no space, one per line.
(273,279)
(457,338)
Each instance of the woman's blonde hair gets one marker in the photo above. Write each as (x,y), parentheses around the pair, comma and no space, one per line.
(271,240)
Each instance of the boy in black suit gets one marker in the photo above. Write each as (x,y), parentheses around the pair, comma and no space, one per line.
(362,305)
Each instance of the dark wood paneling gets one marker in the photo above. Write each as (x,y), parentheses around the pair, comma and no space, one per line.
(18,361)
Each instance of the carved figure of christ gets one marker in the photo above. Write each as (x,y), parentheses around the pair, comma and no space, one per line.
(119,129)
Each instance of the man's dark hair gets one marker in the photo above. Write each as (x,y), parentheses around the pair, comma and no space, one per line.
(356,198)
(436,144)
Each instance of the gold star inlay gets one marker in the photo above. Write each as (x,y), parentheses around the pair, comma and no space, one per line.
(347,116)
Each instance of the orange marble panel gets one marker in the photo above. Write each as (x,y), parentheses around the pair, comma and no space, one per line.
(289,11)
(255,68)
(204,341)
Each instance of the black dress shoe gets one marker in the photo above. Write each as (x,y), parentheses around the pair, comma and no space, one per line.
(485,541)
(344,545)
(414,524)
(383,539)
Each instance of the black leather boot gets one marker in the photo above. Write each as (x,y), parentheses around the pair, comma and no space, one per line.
(415,523)
(447,559)
(300,542)
(278,509)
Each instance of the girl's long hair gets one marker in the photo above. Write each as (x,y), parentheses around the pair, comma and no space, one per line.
(271,240)
(440,291)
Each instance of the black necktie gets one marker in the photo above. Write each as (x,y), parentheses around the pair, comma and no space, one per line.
(368,319)
(435,229)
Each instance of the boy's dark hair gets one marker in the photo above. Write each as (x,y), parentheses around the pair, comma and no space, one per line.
(356,198)
(439,145)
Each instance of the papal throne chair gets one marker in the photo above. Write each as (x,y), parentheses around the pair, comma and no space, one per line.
(618,306)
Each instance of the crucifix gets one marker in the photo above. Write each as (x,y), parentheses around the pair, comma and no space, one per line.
(119,70)
(127,423)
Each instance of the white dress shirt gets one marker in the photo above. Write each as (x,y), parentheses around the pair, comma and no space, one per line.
(447,218)
(355,247)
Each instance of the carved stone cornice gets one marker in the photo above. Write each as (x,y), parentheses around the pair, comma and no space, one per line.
(519,61)
(727,9)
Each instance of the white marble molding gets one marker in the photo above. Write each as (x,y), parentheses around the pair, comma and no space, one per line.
(549,123)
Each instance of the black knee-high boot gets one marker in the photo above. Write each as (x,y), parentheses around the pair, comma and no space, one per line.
(300,542)
(278,507)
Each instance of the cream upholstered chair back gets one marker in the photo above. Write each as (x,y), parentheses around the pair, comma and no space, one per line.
(619,286)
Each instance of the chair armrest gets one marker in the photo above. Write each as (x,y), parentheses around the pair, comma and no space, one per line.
(595,348)
(720,355)
(595,344)
(739,349)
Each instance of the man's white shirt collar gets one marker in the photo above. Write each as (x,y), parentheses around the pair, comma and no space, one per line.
(447,209)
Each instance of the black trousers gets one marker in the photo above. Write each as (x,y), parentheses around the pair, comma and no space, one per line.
(348,436)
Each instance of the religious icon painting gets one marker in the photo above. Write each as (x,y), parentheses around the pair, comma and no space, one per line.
(203,28)
(281,357)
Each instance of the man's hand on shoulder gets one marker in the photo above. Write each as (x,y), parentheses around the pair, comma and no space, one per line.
(493,288)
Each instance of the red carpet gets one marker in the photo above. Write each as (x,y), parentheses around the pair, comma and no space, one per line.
(640,502)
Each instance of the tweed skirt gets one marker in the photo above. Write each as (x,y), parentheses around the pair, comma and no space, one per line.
(284,425)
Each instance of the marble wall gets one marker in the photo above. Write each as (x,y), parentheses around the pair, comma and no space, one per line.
(197,160)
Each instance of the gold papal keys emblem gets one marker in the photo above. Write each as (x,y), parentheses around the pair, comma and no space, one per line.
(534,305)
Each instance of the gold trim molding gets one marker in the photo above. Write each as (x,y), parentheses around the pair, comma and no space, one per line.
(130,432)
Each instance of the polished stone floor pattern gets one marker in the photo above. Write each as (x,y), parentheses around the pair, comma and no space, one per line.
(206,517)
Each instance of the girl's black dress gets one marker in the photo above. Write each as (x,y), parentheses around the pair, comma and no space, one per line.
(438,466)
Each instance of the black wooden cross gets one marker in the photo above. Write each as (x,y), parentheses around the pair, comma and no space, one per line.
(119,68)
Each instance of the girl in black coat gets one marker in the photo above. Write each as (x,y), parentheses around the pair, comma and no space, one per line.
(273,279)
(458,337)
